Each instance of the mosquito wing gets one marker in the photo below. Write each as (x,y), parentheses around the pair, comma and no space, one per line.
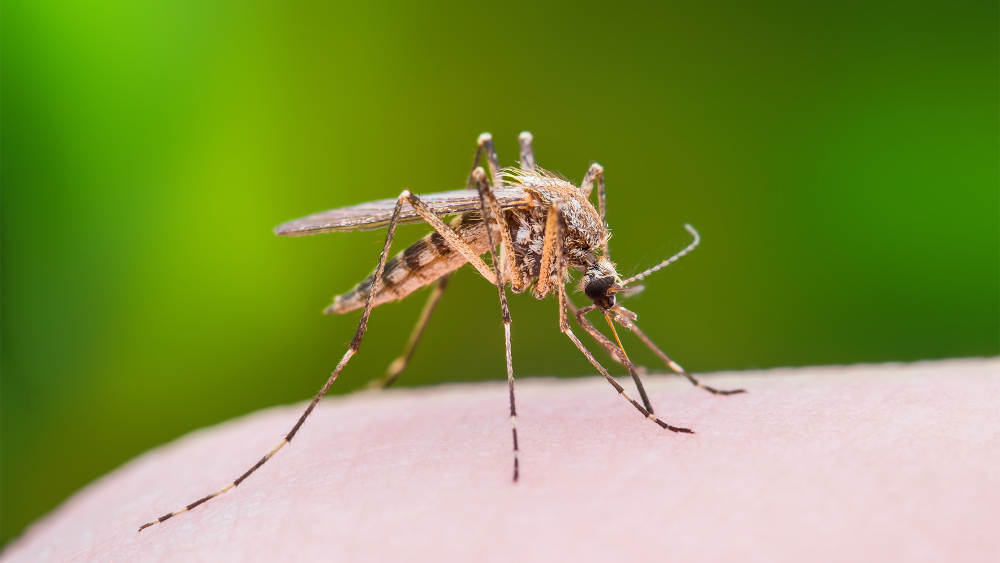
(376,214)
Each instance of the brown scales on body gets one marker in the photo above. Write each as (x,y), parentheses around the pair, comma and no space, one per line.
(430,258)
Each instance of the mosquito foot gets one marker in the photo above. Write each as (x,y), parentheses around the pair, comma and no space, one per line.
(666,426)
(715,391)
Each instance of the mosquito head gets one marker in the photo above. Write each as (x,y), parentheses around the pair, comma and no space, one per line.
(601,291)
(601,282)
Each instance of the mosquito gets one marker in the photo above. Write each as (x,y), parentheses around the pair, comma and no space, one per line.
(543,225)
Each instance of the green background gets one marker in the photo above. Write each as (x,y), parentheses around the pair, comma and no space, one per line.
(841,162)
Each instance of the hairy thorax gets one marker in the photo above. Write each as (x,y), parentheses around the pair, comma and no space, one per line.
(585,232)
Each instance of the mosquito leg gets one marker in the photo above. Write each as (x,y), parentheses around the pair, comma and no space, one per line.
(674,365)
(454,241)
(595,174)
(564,327)
(400,363)
(487,201)
(485,143)
(351,350)
(560,233)
(551,252)
(527,154)
(509,271)
(585,324)
(611,349)
(449,236)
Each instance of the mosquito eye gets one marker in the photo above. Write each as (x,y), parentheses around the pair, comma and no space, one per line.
(597,290)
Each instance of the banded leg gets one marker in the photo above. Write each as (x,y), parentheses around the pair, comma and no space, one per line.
(351,350)
(552,255)
(489,207)
(670,363)
(449,236)
(565,328)
(399,364)
(615,353)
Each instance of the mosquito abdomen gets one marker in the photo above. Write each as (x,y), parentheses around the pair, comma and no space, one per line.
(423,262)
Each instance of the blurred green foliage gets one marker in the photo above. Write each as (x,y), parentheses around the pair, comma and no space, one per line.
(841,162)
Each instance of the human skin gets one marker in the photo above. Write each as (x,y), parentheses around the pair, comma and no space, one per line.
(865,463)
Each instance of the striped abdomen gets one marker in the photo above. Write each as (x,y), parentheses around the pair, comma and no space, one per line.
(425,261)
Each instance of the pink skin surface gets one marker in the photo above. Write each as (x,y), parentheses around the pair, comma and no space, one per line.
(864,463)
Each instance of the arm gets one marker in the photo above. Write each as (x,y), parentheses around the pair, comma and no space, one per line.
(882,462)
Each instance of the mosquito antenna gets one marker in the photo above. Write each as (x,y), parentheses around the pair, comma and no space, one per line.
(668,261)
